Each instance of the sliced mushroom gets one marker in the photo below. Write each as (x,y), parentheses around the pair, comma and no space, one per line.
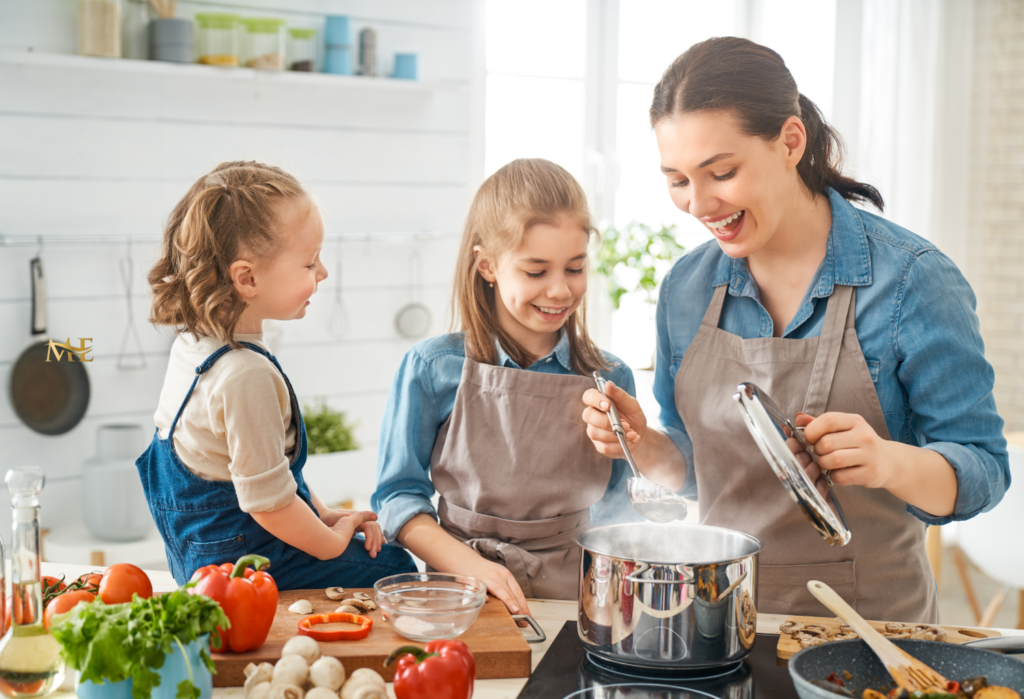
(285,691)
(302,606)
(335,593)
(361,595)
(348,609)
(328,673)
(304,646)
(365,605)
(927,632)
(790,626)
(291,669)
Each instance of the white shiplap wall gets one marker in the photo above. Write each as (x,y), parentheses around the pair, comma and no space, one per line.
(98,147)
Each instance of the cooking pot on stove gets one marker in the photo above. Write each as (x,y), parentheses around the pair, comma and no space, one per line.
(668,595)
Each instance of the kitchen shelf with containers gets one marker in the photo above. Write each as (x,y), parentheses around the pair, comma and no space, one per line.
(230,40)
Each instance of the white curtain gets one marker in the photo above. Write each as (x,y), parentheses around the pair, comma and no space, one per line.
(911,89)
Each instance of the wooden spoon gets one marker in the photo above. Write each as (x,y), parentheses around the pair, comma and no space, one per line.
(909,672)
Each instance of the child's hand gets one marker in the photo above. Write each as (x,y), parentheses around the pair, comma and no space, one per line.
(599,427)
(348,522)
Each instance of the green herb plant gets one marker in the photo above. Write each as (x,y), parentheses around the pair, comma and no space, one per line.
(635,258)
(328,430)
(115,642)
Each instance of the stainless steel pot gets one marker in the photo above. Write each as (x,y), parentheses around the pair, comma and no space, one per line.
(668,595)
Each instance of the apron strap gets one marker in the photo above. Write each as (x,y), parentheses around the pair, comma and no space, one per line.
(714,312)
(838,316)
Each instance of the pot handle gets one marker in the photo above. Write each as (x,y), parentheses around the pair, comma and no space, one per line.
(632,577)
(540,636)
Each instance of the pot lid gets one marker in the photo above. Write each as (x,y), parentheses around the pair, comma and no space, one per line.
(771,440)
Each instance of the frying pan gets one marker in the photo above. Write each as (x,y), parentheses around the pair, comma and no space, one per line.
(955,662)
(50,397)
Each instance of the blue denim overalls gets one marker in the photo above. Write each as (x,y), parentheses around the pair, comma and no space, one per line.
(202,524)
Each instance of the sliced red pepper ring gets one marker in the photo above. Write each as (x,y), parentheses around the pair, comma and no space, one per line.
(307,627)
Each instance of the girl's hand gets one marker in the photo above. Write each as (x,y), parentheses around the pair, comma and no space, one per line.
(500,583)
(599,427)
(351,521)
(850,448)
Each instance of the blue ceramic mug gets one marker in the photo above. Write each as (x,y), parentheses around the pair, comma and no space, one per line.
(406,66)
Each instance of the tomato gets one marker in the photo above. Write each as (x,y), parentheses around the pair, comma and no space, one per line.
(90,580)
(65,603)
(121,580)
(51,583)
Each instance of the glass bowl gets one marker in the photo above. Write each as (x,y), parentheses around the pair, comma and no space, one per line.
(430,606)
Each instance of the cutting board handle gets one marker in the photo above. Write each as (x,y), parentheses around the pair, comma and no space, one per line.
(540,636)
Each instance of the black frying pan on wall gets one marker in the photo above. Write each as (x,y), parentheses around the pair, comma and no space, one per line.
(49,394)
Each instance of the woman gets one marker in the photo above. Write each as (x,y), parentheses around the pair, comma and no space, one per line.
(836,313)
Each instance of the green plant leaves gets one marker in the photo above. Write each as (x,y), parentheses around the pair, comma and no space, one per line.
(328,430)
(635,258)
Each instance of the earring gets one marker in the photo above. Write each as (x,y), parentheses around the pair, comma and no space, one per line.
(491,284)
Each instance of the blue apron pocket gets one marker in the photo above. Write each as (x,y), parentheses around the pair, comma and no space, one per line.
(204,553)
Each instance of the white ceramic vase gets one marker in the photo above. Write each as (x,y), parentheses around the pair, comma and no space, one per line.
(115,505)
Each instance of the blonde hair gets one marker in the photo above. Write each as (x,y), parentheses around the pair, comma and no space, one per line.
(227,213)
(521,194)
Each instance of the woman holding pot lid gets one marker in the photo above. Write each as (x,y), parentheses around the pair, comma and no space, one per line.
(837,313)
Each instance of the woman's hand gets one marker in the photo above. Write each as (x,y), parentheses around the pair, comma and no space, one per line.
(500,583)
(849,448)
(810,468)
(348,522)
(599,426)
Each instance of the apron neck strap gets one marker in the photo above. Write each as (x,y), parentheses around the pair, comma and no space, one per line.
(714,312)
(839,316)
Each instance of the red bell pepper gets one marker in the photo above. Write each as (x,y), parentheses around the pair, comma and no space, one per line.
(248,598)
(442,670)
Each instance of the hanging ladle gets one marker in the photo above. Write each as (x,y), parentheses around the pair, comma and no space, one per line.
(653,502)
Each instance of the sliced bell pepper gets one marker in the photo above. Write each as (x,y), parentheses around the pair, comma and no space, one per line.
(307,627)
(441,670)
(248,598)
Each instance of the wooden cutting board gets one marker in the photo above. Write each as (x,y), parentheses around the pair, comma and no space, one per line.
(494,638)
(789,646)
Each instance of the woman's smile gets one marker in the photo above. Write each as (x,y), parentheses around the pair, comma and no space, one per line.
(726,228)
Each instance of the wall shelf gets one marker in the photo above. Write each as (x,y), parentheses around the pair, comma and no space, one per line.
(203,72)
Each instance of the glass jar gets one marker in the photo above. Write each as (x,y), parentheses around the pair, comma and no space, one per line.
(30,661)
(263,43)
(217,39)
(302,50)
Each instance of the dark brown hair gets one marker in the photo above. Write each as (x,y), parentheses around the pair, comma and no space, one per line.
(521,194)
(226,214)
(753,83)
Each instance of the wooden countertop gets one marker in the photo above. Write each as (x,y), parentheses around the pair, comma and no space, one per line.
(550,614)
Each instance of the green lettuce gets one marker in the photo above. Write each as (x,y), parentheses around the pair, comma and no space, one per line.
(114,642)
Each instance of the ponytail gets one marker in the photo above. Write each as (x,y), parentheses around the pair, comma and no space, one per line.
(225,215)
(752,82)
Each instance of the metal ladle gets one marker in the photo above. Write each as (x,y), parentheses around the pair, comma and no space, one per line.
(653,502)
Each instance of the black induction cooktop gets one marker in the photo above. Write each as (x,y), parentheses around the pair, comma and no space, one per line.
(567,671)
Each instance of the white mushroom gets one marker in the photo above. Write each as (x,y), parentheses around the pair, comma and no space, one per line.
(302,606)
(365,605)
(335,593)
(321,693)
(258,691)
(285,691)
(291,669)
(304,646)
(257,674)
(328,673)
(364,684)
(361,595)
(348,609)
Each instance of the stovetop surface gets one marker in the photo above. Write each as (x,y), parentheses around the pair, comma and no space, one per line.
(567,671)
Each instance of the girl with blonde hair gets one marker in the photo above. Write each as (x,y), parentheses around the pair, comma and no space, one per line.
(223,474)
(489,417)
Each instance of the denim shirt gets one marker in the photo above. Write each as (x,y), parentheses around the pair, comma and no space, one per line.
(916,322)
(421,399)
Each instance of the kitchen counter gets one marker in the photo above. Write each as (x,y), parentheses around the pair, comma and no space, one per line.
(550,614)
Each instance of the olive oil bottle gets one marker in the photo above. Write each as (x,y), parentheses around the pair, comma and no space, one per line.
(30,662)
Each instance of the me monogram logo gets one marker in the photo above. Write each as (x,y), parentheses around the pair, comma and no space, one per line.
(74,354)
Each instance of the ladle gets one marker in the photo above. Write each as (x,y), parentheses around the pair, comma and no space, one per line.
(653,502)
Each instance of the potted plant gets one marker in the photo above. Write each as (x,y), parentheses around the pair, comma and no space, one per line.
(336,468)
(149,648)
(632,260)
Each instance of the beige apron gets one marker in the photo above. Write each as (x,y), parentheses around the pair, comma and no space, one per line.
(883,572)
(517,474)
